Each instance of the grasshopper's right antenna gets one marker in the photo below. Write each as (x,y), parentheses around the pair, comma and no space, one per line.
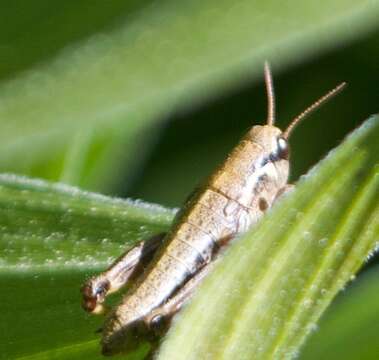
(270,95)
(311,108)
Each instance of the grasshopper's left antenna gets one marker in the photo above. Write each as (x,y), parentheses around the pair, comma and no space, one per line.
(270,95)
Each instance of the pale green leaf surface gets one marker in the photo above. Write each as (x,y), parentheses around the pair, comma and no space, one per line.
(53,226)
(349,330)
(164,55)
(268,292)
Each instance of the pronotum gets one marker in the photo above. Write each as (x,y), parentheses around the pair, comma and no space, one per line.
(167,268)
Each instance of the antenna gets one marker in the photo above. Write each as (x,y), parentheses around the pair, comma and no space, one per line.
(270,95)
(311,108)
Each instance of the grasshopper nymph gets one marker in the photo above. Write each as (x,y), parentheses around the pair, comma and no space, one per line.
(233,198)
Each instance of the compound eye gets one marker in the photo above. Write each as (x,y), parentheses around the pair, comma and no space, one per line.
(283,148)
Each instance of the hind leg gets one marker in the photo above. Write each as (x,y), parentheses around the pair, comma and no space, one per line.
(95,289)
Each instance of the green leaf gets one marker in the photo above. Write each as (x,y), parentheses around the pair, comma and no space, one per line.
(270,289)
(55,226)
(349,330)
(156,57)
(51,238)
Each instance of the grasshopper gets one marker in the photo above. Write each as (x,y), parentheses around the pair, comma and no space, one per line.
(167,269)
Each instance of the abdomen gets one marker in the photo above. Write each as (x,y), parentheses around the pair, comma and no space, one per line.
(209,220)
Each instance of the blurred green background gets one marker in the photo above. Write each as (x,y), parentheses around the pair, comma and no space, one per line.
(143,99)
(194,141)
(186,143)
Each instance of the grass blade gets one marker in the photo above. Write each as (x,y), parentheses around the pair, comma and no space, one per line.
(270,289)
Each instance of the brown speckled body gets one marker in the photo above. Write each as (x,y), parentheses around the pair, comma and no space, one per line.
(226,205)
